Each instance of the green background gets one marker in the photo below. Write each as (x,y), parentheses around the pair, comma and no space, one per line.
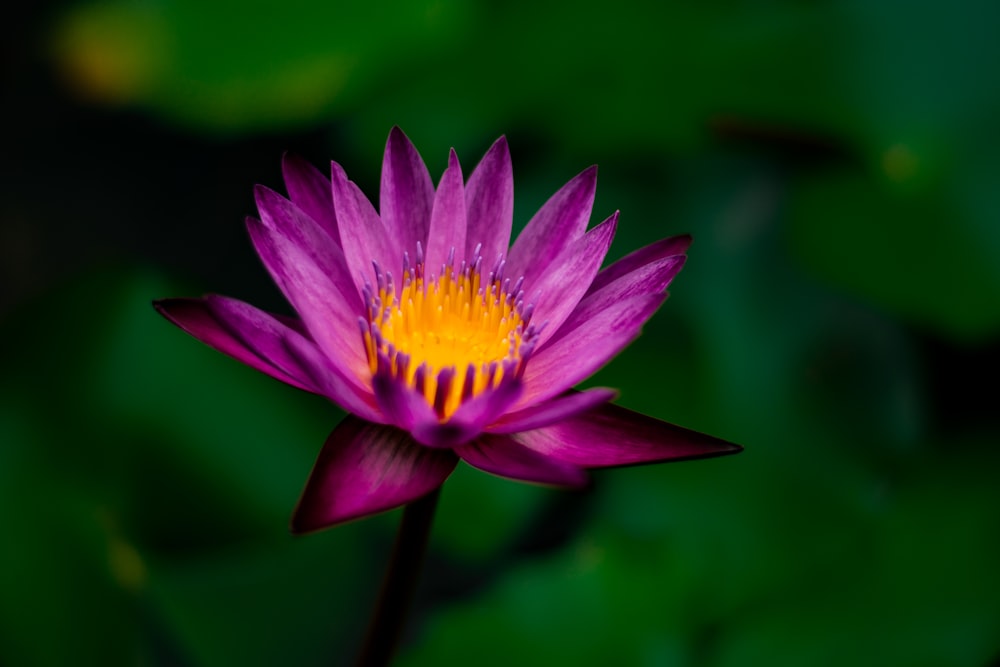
(839,316)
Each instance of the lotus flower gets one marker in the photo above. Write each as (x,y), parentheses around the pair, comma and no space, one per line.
(439,341)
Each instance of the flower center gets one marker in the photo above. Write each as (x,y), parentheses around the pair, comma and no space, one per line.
(450,337)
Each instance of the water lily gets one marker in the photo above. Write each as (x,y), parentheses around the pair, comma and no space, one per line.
(441,341)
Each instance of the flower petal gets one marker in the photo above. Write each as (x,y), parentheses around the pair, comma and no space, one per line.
(610,435)
(407,193)
(364,469)
(489,203)
(402,405)
(560,221)
(363,234)
(471,417)
(310,191)
(332,382)
(501,455)
(260,348)
(648,279)
(318,298)
(574,357)
(558,409)
(675,245)
(447,230)
(568,276)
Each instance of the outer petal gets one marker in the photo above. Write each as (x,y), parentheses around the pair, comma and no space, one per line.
(256,338)
(613,436)
(503,456)
(649,279)
(331,381)
(365,469)
(310,191)
(675,245)
(320,301)
(562,220)
(489,202)
(550,412)
(447,230)
(363,234)
(407,192)
(569,275)
(560,365)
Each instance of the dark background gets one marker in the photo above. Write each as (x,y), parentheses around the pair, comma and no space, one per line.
(837,164)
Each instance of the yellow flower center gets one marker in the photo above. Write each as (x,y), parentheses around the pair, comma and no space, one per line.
(449,337)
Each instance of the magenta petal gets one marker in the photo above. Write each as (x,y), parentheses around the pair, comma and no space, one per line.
(403,406)
(471,417)
(447,230)
(310,191)
(568,276)
(669,247)
(560,221)
(613,436)
(364,469)
(503,456)
(489,202)
(332,382)
(648,279)
(318,298)
(574,357)
(198,318)
(555,410)
(407,193)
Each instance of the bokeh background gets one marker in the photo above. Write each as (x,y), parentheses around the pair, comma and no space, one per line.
(839,315)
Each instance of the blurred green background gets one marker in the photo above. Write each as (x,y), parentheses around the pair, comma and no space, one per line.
(839,315)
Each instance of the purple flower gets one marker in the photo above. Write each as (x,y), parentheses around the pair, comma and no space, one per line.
(442,343)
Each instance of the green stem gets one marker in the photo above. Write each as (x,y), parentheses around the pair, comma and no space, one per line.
(400,582)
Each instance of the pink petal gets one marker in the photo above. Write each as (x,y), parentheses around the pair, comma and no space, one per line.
(560,221)
(577,355)
(550,412)
(363,234)
(310,191)
(568,277)
(319,300)
(489,202)
(258,348)
(407,193)
(402,405)
(503,456)
(471,417)
(669,247)
(364,469)
(610,435)
(330,379)
(447,230)
(648,279)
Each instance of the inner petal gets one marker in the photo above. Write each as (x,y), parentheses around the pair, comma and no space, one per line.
(451,336)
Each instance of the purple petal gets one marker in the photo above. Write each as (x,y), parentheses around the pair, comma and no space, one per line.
(574,357)
(489,202)
(562,220)
(669,247)
(407,193)
(613,436)
(503,456)
(363,234)
(320,300)
(402,405)
(198,318)
(310,191)
(364,469)
(550,412)
(330,379)
(471,417)
(447,230)
(569,275)
(649,279)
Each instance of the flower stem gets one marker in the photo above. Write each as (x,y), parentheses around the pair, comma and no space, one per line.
(400,582)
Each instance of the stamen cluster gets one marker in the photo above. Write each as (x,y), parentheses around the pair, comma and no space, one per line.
(450,337)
